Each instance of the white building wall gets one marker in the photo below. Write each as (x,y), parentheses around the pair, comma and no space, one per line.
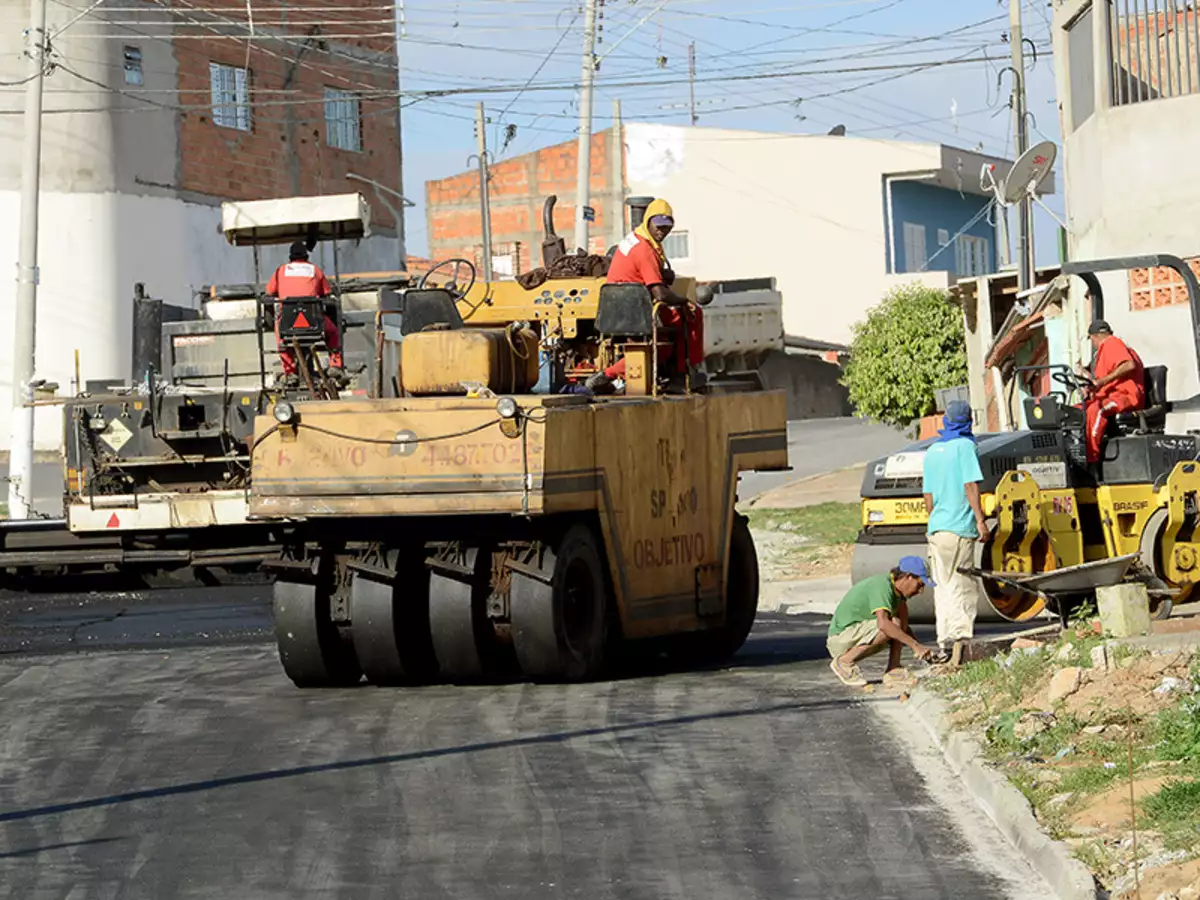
(807,210)
(1130,190)
(93,248)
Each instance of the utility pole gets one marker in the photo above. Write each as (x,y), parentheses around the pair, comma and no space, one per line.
(485,205)
(692,81)
(1025,257)
(587,82)
(20,465)
(401,237)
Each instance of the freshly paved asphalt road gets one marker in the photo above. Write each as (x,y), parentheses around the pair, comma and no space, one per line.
(197,770)
(816,446)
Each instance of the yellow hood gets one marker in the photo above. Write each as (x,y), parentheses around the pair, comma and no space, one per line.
(657,207)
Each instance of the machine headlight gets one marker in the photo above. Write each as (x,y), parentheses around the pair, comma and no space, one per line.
(506,408)
(285,413)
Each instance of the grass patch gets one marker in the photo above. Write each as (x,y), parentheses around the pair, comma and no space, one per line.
(825,523)
(1178,732)
(1175,811)
(1090,779)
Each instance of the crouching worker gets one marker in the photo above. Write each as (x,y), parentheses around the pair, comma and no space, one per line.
(874,615)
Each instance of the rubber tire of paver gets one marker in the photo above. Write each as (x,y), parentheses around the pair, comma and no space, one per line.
(741,605)
(464,640)
(313,651)
(390,624)
(559,621)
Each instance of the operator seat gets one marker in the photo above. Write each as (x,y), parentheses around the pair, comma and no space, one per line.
(1153,418)
(625,312)
(301,320)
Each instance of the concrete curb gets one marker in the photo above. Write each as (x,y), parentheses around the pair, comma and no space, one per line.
(1003,803)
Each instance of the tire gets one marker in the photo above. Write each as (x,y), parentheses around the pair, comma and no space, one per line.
(1151,557)
(741,605)
(390,625)
(559,622)
(313,652)
(464,641)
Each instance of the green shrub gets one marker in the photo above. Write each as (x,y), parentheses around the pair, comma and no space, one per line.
(909,346)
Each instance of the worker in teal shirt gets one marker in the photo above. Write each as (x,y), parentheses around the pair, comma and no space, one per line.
(874,615)
(956,521)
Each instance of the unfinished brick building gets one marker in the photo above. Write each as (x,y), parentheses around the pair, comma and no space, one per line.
(518,189)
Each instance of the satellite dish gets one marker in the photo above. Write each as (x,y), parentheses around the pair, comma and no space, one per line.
(1028,172)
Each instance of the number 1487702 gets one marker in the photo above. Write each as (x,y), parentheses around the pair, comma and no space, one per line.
(480,453)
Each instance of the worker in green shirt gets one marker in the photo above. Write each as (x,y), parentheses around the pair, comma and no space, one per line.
(874,615)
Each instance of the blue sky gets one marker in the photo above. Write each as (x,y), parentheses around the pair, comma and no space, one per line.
(747,54)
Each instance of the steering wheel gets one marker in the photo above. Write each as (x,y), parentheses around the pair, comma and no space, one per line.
(452,285)
(1069,380)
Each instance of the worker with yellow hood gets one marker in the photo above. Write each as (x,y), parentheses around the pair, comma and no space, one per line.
(639,259)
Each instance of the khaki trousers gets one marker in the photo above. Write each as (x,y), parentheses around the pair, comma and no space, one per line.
(956,595)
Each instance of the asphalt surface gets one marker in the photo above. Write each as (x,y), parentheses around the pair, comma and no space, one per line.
(197,770)
(817,446)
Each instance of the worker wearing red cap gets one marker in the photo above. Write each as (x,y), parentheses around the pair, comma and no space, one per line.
(300,278)
(1117,384)
(640,259)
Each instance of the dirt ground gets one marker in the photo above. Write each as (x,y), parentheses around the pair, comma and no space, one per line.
(1068,734)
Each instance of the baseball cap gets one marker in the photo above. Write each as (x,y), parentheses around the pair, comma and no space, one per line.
(1099,327)
(914,565)
(662,221)
(958,411)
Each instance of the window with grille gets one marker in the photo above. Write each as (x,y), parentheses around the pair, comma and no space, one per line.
(676,245)
(230,96)
(973,256)
(343,126)
(133,65)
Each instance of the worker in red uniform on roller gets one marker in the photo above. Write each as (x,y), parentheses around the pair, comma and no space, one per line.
(1116,384)
(299,278)
(639,259)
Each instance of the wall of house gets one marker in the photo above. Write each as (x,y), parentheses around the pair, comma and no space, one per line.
(935,209)
(804,209)
(1129,191)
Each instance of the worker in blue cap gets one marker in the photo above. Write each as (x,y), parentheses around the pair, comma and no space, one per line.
(951,485)
(874,615)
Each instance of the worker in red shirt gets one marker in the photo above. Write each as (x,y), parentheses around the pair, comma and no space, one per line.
(1115,384)
(300,278)
(639,259)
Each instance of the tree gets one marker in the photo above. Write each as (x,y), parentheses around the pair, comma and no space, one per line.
(909,345)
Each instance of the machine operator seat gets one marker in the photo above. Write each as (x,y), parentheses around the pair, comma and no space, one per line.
(1153,418)
(626,311)
(301,320)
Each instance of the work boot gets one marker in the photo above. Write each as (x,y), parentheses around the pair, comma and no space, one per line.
(337,376)
(600,384)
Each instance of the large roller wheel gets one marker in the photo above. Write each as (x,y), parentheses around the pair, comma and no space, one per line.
(391,624)
(313,652)
(1150,550)
(464,641)
(559,620)
(741,605)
